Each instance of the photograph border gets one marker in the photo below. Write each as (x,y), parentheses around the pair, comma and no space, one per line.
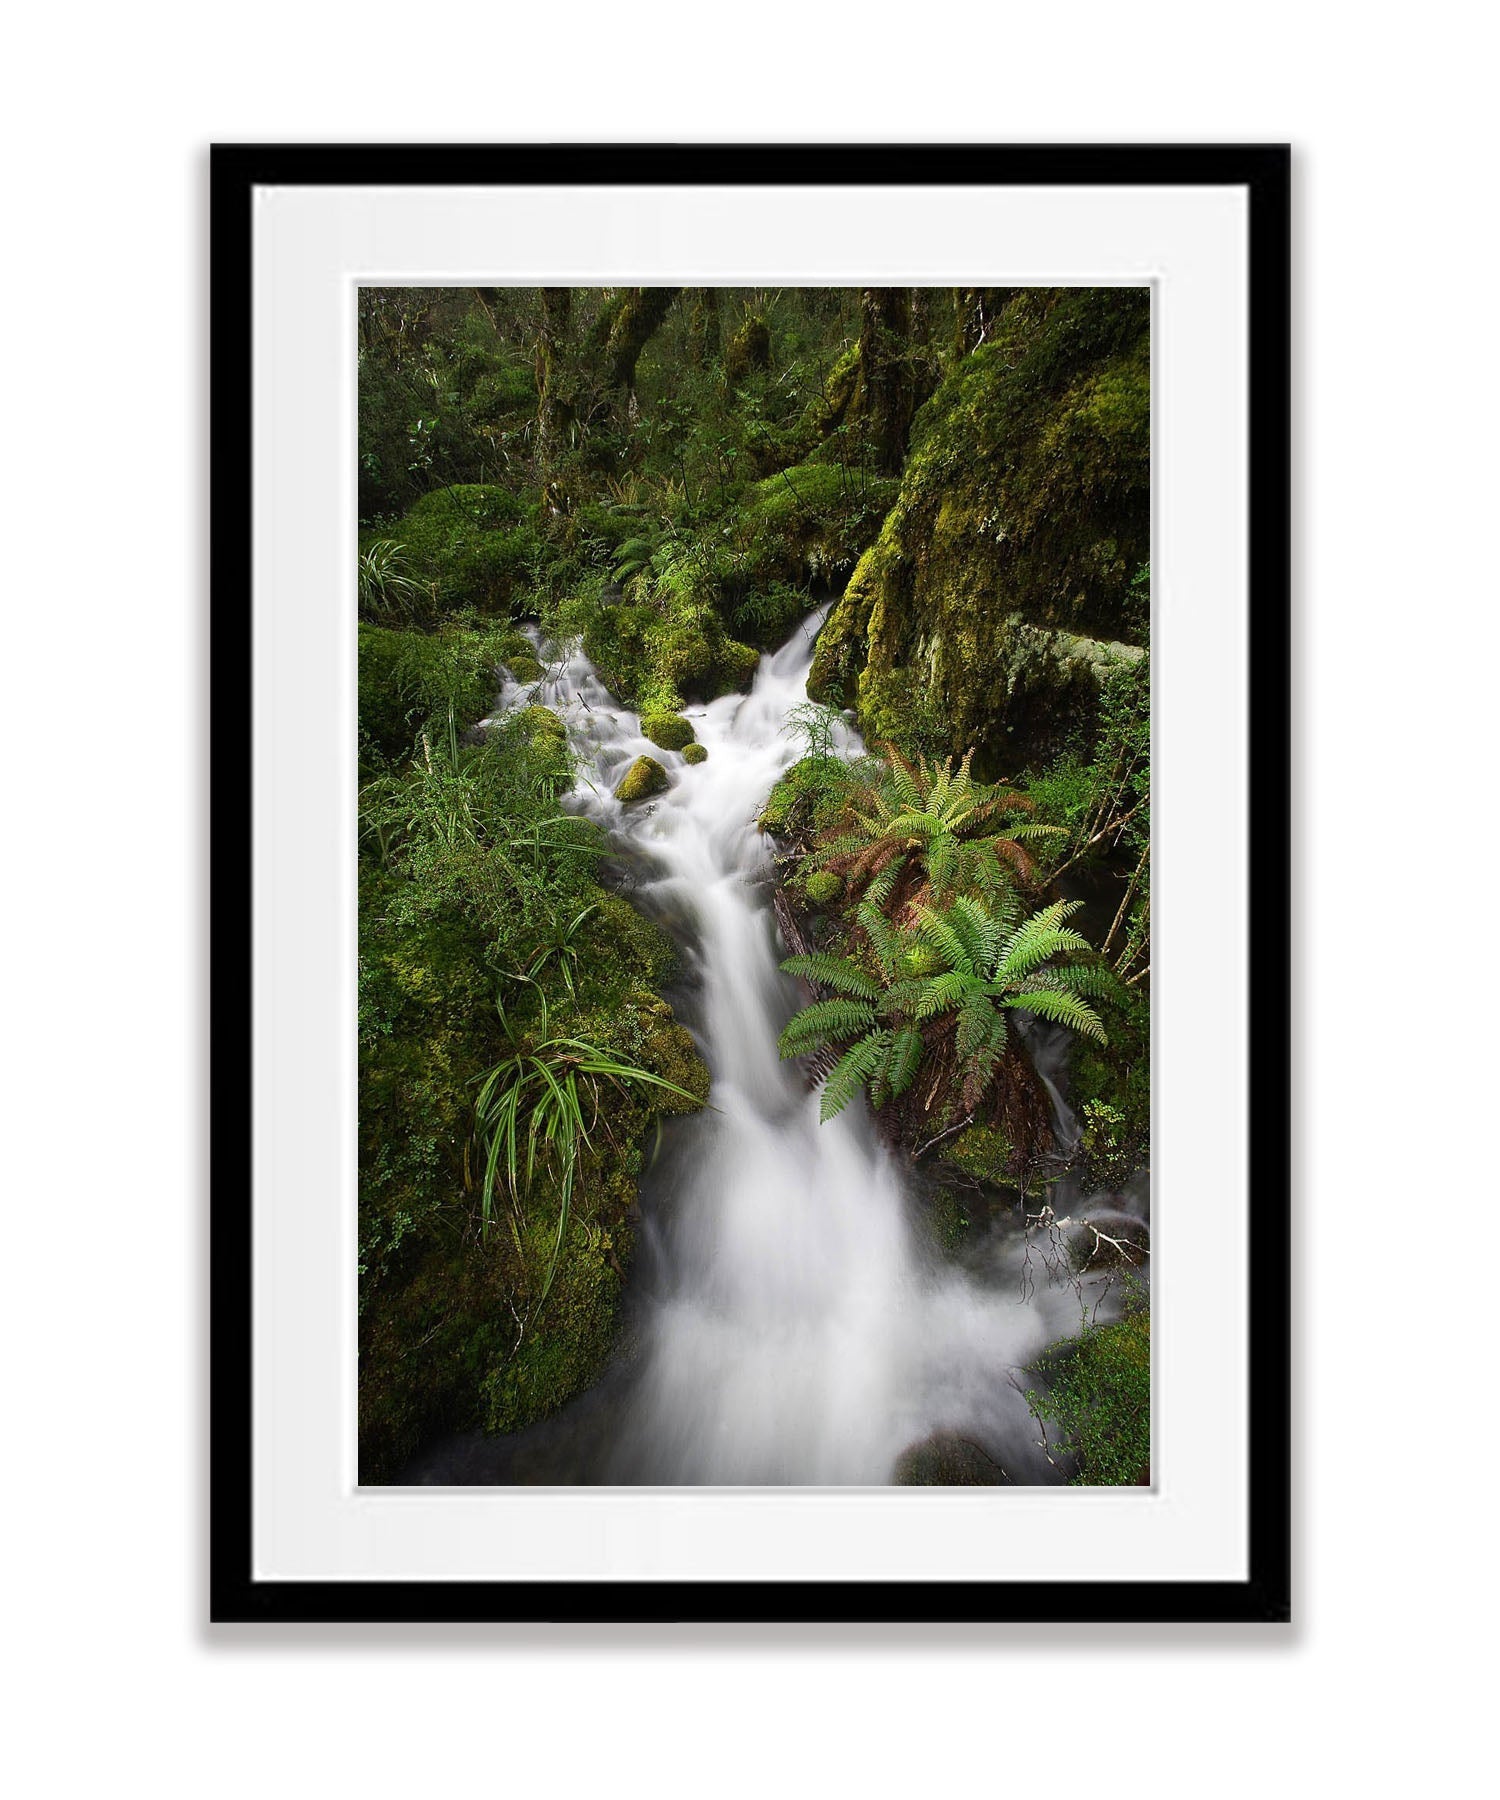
(1263,171)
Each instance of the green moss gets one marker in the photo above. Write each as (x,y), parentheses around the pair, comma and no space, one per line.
(984,1153)
(472,544)
(667,730)
(525,669)
(999,588)
(569,1345)
(694,753)
(806,797)
(822,886)
(1099,1399)
(641,780)
(541,721)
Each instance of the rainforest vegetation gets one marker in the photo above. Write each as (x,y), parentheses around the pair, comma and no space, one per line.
(672,480)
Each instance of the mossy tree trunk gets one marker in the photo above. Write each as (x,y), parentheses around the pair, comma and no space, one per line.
(887,397)
(552,412)
(704,339)
(635,322)
(974,312)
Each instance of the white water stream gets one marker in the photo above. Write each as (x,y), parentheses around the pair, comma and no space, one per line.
(789,1322)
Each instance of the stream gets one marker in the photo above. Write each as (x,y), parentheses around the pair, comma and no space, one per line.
(789,1318)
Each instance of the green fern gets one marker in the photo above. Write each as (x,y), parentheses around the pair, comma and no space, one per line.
(851,1072)
(835,972)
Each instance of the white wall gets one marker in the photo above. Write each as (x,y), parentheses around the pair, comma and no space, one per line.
(1378,1685)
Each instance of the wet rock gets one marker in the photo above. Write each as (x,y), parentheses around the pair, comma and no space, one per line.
(946,1460)
(694,753)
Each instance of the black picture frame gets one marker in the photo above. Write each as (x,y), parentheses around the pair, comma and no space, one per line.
(1263,171)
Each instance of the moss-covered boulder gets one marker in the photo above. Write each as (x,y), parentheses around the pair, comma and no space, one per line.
(1001,587)
(822,886)
(472,545)
(947,1460)
(667,730)
(694,752)
(983,1154)
(642,779)
(525,669)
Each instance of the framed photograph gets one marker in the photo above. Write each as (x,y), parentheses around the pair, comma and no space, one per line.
(755,679)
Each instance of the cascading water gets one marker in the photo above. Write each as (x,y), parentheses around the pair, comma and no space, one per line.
(790,1323)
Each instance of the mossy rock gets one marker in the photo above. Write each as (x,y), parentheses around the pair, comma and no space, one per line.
(984,1153)
(667,730)
(946,1460)
(472,544)
(525,669)
(822,886)
(642,779)
(541,721)
(694,753)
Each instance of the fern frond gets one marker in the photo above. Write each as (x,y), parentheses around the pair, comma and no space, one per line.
(1038,938)
(904,1060)
(825,1021)
(974,1014)
(941,994)
(937,930)
(835,972)
(849,1074)
(884,938)
(972,924)
(882,885)
(1063,1009)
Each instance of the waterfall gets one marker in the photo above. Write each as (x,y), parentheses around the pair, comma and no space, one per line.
(790,1321)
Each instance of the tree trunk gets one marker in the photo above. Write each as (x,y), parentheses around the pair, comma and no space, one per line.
(887,399)
(635,322)
(551,410)
(704,341)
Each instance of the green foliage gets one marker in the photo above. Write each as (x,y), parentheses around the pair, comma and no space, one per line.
(533,1111)
(808,797)
(822,886)
(641,780)
(474,882)
(388,595)
(922,834)
(411,680)
(667,730)
(1099,1397)
(939,996)
(471,544)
